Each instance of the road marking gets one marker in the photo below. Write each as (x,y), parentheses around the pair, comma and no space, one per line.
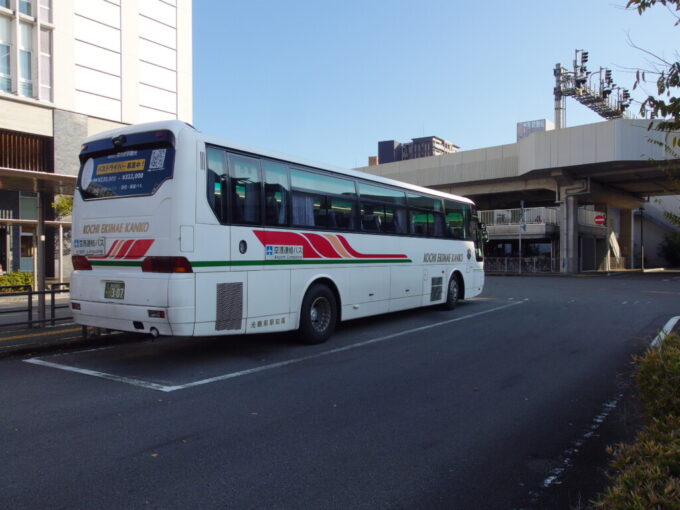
(271,366)
(46,333)
(662,292)
(665,331)
(565,460)
(102,375)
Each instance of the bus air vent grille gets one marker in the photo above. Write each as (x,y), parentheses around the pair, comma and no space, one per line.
(229,306)
(436,292)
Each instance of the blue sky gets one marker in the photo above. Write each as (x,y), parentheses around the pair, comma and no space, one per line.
(327,79)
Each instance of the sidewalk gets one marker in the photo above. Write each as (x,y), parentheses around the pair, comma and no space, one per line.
(24,342)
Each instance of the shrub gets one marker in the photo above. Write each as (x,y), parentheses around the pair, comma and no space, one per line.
(658,378)
(647,472)
(669,249)
(15,278)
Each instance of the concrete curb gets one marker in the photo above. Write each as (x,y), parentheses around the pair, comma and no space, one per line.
(672,326)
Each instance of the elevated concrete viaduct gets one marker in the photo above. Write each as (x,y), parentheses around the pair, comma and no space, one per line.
(609,168)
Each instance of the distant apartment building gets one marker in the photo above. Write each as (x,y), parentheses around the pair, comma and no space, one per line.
(423,147)
(70,69)
(527,127)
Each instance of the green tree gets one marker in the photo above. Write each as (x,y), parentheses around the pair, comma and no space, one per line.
(63,205)
(665,104)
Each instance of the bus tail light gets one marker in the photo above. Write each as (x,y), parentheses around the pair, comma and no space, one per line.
(166,265)
(80,263)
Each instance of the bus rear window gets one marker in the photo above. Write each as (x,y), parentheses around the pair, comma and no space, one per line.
(130,172)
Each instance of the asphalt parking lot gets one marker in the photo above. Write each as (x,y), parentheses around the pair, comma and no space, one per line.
(420,409)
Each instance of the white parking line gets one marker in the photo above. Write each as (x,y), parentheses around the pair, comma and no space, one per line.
(232,375)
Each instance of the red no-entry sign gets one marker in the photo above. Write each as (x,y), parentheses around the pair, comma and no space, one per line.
(599,219)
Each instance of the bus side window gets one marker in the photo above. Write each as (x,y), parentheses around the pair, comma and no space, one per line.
(303,209)
(398,217)
(246,189)
(438,225)
(371,217)
(455,220)
(276,191)
(342,213)
(215,178)
(418,222)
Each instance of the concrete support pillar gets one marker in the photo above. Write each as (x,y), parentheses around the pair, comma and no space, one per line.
(569,235)
(626,236)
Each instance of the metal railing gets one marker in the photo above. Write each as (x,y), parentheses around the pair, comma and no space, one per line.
(615,264)
(519,265)
(532,215)
(9,293)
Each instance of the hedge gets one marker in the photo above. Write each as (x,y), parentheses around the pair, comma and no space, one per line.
(15,278)
(646,474)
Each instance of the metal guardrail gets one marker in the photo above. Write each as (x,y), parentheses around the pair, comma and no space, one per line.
(532,215)
(517,265)
(14,291)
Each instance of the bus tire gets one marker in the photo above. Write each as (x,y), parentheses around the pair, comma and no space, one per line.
(452,293)
(318,315)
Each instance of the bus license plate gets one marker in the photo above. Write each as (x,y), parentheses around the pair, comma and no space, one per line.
(114,290)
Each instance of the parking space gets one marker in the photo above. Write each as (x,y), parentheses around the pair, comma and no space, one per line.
(173,363)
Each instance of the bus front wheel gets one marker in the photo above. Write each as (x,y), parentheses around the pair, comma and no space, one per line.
(318,315)
(452,293)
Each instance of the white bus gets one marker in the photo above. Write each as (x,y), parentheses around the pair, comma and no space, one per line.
(179,233)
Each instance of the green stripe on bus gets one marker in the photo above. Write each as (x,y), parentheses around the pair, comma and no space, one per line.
(125,263)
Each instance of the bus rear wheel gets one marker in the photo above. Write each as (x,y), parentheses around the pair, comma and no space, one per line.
(452,293)
(318,315)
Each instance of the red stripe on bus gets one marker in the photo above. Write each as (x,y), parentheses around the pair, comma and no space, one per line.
(322,245)
(139,249)
(108,253)
(287,239)
(358,255)
(124,249)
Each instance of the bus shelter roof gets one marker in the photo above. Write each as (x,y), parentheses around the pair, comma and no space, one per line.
(12,179)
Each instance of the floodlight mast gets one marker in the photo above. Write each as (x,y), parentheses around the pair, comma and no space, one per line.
(577,84)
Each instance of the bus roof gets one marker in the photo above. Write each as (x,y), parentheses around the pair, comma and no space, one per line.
(176,126)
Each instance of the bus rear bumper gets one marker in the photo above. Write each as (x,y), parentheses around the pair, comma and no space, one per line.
(134,318)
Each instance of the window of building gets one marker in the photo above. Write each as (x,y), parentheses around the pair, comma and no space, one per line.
(25,53)
(26,49)
(45,64)
(5,48)
(46,11)
(26,7)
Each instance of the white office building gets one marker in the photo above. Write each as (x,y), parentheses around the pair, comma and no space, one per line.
(69,69)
